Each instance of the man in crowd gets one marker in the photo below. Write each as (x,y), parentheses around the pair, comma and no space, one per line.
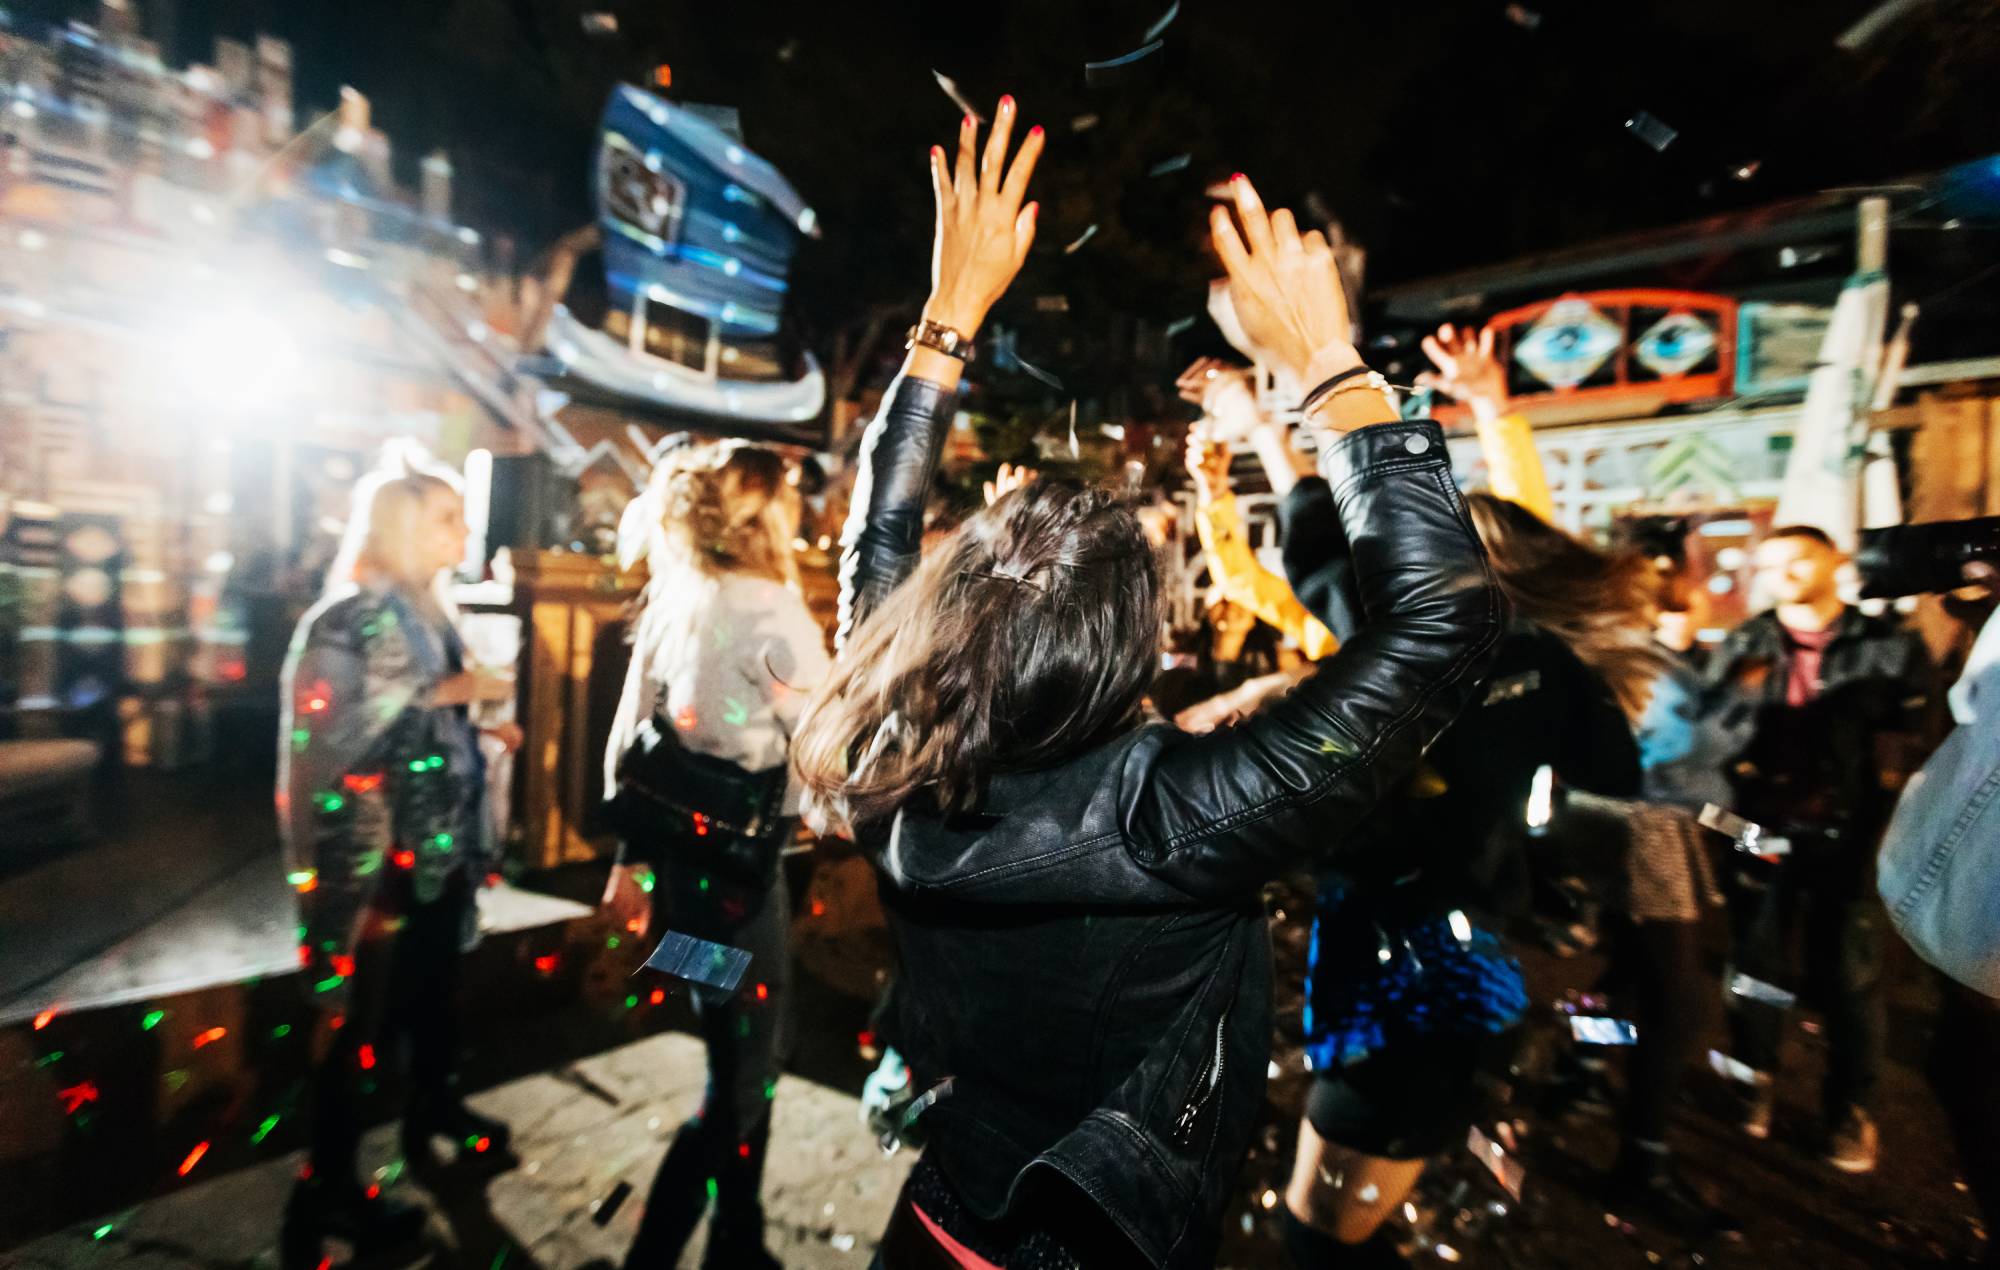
(1825,707)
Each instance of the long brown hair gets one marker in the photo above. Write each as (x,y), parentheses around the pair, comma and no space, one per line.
(1599,603)
(1027,636)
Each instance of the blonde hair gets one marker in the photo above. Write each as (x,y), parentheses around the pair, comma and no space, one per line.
(708,510)
(383,522)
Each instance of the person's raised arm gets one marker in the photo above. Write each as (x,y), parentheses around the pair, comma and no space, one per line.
(1218,814)
(1468,371)
(983,235)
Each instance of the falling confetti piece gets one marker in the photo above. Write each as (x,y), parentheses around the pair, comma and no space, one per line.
(1081,239)
(1095,70)
(1651,131)
(1074,451)
(1164,21)
(1178,325)
(1166,166)
(958,98)
(50,1059)
(193,1158)
(1083,123)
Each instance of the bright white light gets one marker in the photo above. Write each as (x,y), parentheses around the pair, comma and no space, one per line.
(220,562)
(1461,927)
(32,240)
(218,504)
(1446,1252)
(1731,558)
(199,148)
(1541,797)
(346,259)
(732,266)
(25,109)
(234,358)
(203,214)
(466,282)
(808,221)
(468,235)
(1269,1199)
(1409,1211)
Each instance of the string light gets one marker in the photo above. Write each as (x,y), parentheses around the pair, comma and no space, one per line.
(659,995)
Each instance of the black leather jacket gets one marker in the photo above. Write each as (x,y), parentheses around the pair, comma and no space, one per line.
(1086,955)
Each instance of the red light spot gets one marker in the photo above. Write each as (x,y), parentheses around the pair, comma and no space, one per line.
(819,908)
(865,1038)
(310,884)
(763,993)
(743,1150)
(42,1019)
(546,963)
(493,879)
(325,1263)
(194,1158)
(305,1172)
(343,965)
(374,1190)
(367,784)
(700,825)
(337,1022)
(635,924)
(659,995)
(367,1058)
(482,1145)
(315,705)
(305,954)
(213,1034)
(406,859)
(685,720)
(234,670)
(77,1095)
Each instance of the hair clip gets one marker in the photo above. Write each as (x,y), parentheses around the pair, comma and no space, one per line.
(1016,578)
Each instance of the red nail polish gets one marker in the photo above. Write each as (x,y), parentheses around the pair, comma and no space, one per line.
(1007,102)
(1035,131)
(937,152)
(969,121)
(1034,210)
(1238,177)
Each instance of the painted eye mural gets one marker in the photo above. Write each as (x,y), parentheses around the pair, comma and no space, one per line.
(1568,344)
(1675,345)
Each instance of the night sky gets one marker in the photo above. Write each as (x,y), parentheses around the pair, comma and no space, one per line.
(1443,134)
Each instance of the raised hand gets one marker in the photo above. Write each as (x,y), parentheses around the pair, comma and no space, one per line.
(1285,287)
(983,231)
(1208,464)
(1466,369)
(1223,393)
(1006,479)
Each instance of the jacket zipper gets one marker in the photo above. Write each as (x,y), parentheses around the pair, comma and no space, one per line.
(1206,1082)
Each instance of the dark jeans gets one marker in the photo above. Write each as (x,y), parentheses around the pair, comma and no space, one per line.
(719,1153)
(1964,1058)
(1660,962)
(404,992)
(1821,901)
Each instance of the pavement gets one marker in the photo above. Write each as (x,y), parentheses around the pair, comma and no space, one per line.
(579,1131)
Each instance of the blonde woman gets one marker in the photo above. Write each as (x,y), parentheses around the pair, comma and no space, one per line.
(724,656)
(379,791)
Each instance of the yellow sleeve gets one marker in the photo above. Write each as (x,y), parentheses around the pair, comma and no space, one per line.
(1246,582)
(1514,466)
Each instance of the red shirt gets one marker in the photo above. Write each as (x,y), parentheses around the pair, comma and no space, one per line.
(1808,650)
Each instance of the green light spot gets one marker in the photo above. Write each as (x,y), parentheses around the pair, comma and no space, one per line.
(175,1079)
(704,884)
(300,877)
(711,1190)
(434,762)
(101,1231)
(442,841)
(737,714)
(770,1090)
(152,1020)
(327,945)
(416,765)
(631,1002)
(499,1258)
(263,1130)
(743,1026)
(49,1059)
(647,882)
(327,984)
(281,1031)
(301,737)
(471,1141)
(611,942)
(329,801)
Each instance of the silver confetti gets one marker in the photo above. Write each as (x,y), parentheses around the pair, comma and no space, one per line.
(1081,239)
(1097,68)
(1166,166)
(950,87)
(1166,20)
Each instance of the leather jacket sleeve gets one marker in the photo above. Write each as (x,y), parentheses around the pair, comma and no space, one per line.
(1318,564)
(1217,814)
(885,521)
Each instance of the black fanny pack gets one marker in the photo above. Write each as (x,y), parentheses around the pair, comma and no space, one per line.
(673,797)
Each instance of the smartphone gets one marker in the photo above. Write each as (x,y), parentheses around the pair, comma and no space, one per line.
(1591,1029)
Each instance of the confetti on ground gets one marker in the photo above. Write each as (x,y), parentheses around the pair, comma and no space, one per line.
(958,98)
(1081,239)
